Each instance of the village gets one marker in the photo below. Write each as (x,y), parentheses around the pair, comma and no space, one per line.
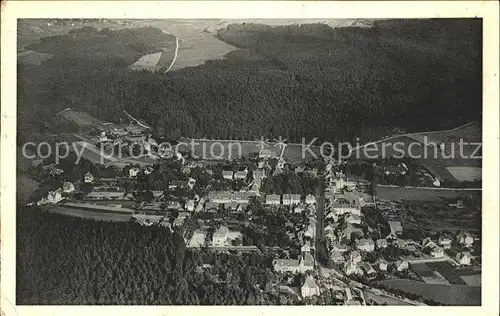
(328,232)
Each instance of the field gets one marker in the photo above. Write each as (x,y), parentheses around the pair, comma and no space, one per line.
(123,46)
(466,173)
(424,218)
(427,274)
(195,45)
(452,274)
(82,119)
(395,193)
(89,214)
(457,295)
(473,280)
(223,149)
(449,166)
(91,152)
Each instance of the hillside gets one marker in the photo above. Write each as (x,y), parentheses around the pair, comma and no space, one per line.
(292,81)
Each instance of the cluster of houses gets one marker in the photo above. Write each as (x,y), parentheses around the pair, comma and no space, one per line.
(290,199)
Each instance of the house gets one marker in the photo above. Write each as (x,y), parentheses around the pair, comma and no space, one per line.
(353,219)
(189,205)
(310,231)
(307,263)
(368,269)
(53,197)
(266,153)
(337,257)
(381,243)
(401,243)
(355,257)
(350,229)
(395,227)
(329,196)
(176,184)
(132,172)
(401,265)
(464,258)
(241,197)
(286,265)
(220,196)
(148,170)
(273,199)
(191,183)
(299,169)
(299,208)
(220,236)
(310,199)
(428,243)
(444,241)
(338,247)
(365,245)
(465,238)
(241,174)
(165,224)
(309,288)
(351,268)
(68,187)
(259,174)
(343,208)
(227,174)
(331,215)
(437,252)
(306,247)
(88,178)
(178,221)
(382,264)
(289,199)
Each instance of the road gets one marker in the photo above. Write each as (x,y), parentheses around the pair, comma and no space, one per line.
(320,214)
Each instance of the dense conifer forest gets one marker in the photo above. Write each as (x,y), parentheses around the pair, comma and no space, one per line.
(65,260)
(291,81)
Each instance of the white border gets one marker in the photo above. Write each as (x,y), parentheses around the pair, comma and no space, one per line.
(488,10)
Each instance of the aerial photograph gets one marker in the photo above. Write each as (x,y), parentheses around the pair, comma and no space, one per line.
(249,162)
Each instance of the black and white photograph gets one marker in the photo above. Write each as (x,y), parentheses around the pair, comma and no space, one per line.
(259,161)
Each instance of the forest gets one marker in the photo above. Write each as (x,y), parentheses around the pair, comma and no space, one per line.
(66,260)
(293,81)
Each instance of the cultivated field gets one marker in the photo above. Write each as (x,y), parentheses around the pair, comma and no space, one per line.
(427,274)
(458,295)
(395,193)
(198,44)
